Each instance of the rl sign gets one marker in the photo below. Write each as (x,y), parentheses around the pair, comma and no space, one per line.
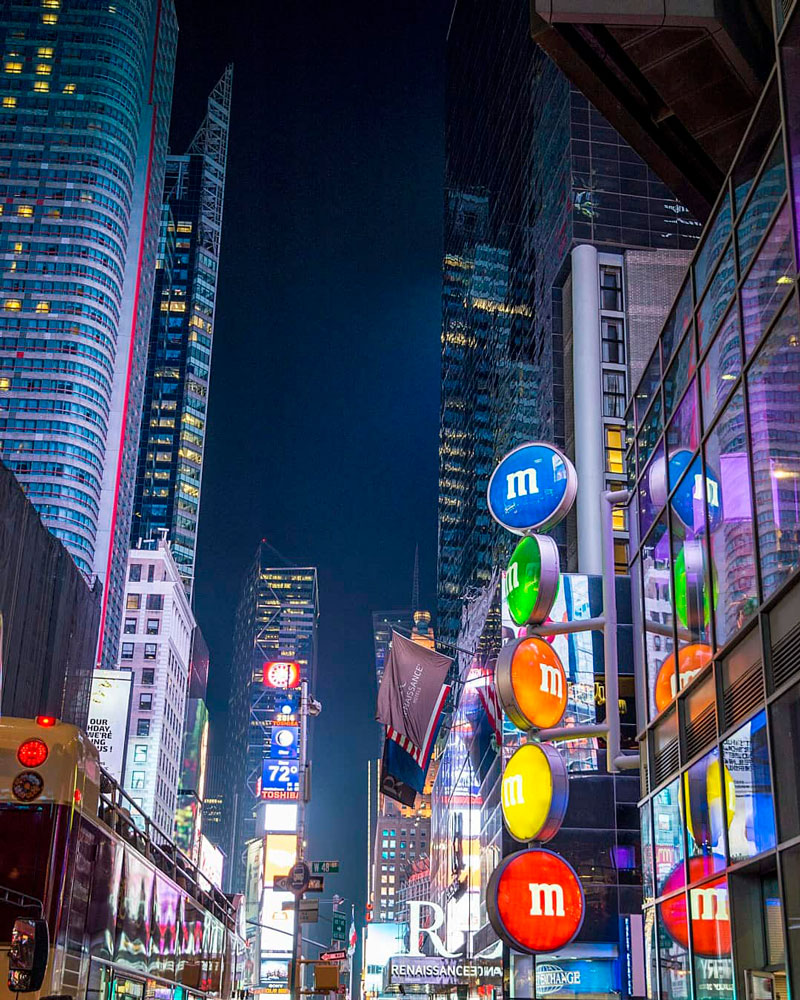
(535,901)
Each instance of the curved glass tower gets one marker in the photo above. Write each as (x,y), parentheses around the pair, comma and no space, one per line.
(85,93)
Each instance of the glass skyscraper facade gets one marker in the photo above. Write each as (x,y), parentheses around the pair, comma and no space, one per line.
(531,170)
(714,464)
(168,477)
(276,623)
(85,95)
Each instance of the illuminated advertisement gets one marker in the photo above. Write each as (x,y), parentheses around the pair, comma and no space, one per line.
(280,780)
(212,861)
(281,674)
(107,726)
(280,853)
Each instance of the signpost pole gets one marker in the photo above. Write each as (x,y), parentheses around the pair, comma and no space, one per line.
(297,941)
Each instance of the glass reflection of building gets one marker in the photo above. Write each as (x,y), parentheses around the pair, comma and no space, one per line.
(714,452)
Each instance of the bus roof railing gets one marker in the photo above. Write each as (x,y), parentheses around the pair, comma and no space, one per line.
(119,812)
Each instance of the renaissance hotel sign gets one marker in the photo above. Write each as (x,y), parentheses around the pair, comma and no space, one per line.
(410,970)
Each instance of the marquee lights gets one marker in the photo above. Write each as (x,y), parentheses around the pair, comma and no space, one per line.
(531,579)
(531,683)
(535,901)
(535,792)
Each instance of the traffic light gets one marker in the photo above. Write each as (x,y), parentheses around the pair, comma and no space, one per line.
(368,915)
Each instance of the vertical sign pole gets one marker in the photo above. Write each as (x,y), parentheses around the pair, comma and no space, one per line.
(297,940)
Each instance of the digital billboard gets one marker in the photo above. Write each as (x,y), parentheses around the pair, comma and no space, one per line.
(107,726)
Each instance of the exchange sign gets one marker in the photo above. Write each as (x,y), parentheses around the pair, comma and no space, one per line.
(531,683)
(535,792)
(533,487)
(531,580)
(535,901)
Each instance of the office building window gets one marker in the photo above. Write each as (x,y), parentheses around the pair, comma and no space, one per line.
(143,727)
(137,779)
(130,626)
(614,394)
(611,288)
(150,649)
(127,651)
(135,573)
(152,626)
(146,701)
(148,675)
(133,602)
(613,335)
(614,459)
(155,602)
(151,570)
(140,753)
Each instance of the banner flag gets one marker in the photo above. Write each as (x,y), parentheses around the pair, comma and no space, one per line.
(410,698)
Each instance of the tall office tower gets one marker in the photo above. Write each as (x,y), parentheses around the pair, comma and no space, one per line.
(156,646)
(532,172)
(275,649)
(383,622)
(190,814)
(169,474)
(82,156)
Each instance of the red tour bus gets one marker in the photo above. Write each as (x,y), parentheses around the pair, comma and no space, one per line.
(128,916)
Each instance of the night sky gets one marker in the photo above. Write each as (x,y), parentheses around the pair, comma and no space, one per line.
(323,424)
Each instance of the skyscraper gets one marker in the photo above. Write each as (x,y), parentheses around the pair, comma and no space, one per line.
(83,151)
(171,445)
(274,650)
(532,171)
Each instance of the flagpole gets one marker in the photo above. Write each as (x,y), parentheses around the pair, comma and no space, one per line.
(351,951)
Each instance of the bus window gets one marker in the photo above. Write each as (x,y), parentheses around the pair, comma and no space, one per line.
(26,841)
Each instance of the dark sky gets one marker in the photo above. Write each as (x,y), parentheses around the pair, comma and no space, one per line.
(323,424)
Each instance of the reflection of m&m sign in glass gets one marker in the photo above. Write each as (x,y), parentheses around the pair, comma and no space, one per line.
(691,660)
(708,905)
(687,500)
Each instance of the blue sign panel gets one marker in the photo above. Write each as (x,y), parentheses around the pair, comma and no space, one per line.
(284,743)
(687,501)
(280,780)
(532,488)
(593,976)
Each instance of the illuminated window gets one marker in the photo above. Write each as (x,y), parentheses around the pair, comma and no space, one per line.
(49,18)
(51,4)
(25,210)
(17,248)
(14,304)
(619,520)
(69,88)
(41,86)
(9,102)
(43,69)
(5,383)
(133,602)
(45,52)
(12,66)
(621,558)
(614,461)
(42,307)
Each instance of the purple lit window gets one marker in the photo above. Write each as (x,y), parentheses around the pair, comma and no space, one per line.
(722,365)
(769,280)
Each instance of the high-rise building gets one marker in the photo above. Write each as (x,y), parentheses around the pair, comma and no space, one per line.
(190,814)
(275,649)
(156,646)
(533,171)
(82,157)
(169,474)
(383,622)
(48,617)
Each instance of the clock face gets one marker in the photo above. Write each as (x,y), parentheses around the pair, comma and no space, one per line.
(282,674)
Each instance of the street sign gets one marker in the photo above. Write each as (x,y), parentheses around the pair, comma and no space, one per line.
(339,927)
(287,904)
(299,877)
(333,956)
(315,884)
(308,911)
(324,867)
(280,883)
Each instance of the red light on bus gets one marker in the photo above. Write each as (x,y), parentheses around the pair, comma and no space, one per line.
(78,796)
(32,753)
(47,721)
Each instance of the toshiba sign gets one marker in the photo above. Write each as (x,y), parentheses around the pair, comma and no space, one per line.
(535,901)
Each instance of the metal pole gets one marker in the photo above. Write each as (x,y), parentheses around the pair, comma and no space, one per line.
(351,952)
(296,983)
